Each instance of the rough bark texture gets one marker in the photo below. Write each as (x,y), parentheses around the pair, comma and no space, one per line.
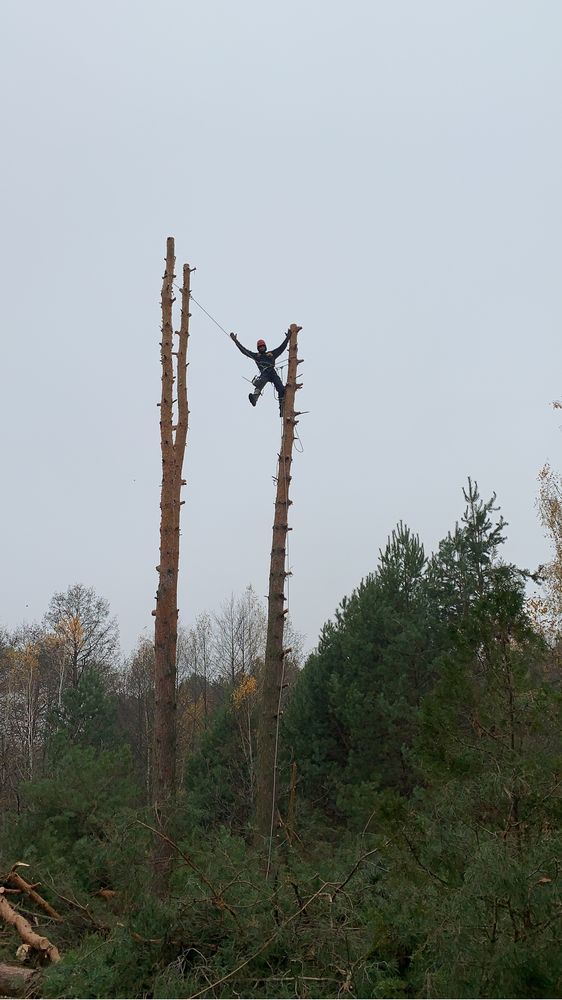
(172,440)
(273,670)
(17,981)
(26,932)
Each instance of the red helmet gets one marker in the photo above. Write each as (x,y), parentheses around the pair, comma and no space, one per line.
(260,343)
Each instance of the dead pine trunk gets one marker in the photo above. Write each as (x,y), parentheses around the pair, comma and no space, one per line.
(273,672)
(174,414)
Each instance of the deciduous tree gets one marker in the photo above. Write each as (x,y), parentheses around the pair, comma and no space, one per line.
(86,633)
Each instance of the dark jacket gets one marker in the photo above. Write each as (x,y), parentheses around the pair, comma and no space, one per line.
(266,360)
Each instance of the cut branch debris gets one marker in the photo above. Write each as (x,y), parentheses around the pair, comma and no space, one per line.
(20,884)
(36,941)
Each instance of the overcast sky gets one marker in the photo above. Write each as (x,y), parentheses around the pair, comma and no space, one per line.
(385,174)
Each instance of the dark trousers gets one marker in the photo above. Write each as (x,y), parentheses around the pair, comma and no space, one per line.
(269,375)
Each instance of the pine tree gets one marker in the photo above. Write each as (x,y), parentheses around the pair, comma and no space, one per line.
(353,712)
(472,902)
(68,814)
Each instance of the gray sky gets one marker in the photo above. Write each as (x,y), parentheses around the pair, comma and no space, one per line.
(386,174)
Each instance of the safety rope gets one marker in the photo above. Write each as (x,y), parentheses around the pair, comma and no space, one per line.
(278,368)
(212,318)
(202,308)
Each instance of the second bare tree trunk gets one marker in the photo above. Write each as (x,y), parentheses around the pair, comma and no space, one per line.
(172,440)
(273,670)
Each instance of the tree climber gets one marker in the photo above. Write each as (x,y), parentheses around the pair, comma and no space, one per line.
(265,361)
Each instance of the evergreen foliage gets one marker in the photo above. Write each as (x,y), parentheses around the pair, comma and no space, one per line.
(419,853)
(472,903)
(294,935)
(70,811)
(86,717)
(352,715)
(217,782)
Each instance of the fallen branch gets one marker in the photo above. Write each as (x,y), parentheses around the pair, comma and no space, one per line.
(26,932)
(419,862)
(81,908)
(107,894)
(143,940)
(217,896)
(24,886)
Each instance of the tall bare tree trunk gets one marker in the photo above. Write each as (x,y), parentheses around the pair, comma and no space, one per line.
(172,440)
(273,669)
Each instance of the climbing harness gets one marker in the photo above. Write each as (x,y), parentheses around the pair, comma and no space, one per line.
(278,368)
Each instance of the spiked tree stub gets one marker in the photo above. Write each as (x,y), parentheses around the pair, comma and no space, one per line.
(173,438)
(273,669)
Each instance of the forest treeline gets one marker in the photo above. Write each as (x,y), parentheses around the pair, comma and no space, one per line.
(420,770)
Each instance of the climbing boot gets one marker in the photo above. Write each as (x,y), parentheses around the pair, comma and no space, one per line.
(281,405)
(253,397)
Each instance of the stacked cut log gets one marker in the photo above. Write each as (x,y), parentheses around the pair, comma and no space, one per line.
(17,981)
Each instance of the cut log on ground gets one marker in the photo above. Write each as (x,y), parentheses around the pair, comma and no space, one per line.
(39,943)
(15,981)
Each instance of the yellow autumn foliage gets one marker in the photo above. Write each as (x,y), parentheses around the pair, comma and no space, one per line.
(23,661)
(246,689)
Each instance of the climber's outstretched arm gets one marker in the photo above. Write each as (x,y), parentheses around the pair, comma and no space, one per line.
(279,350)
(249,354)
